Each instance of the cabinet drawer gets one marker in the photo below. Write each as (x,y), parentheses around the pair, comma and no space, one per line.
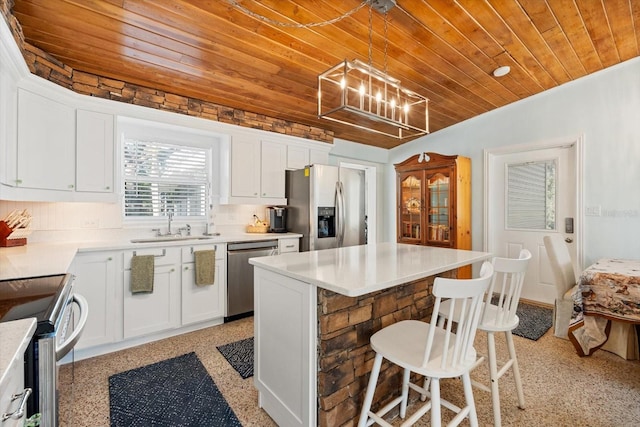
(13,385)
(164,256)
(187,251)
(288,245)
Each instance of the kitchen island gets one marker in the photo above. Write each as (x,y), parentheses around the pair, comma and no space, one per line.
(315,312)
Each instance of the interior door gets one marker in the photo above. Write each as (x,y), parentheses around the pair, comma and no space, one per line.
(532,193)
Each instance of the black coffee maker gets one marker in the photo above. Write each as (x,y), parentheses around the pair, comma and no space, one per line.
(277,219)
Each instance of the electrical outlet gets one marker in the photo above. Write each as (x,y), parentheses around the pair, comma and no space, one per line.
(91,223)
(593,211)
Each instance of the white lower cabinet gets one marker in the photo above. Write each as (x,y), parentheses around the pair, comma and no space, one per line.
(146,313)
(202,303)
(288,245)
(97,279)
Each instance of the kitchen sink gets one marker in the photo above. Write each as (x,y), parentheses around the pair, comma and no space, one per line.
(173,238)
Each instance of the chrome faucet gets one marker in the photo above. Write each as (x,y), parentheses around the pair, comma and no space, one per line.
(170,216)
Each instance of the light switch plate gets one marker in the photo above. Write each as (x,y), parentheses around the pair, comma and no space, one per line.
(593,211)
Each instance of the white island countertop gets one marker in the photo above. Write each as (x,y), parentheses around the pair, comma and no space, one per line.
(359,270)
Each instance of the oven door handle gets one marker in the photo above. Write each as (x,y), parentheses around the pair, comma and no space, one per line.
(70,342)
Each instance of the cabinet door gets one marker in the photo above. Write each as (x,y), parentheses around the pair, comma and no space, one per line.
(95,279)
(410,207)
(297,157)
(245,166)
(146,313)
(439,202)
(273,166)
(318,157)
(94,151)
(46,143)
(202,303)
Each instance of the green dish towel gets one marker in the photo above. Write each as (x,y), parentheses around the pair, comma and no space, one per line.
(142,267)
(205,267)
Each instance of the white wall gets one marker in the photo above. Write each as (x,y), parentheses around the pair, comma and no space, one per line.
(605,107)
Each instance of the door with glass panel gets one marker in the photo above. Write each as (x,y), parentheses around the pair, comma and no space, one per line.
(532,194)
(411,207)
(438,209)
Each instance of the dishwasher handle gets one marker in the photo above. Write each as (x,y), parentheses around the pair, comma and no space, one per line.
(252,246)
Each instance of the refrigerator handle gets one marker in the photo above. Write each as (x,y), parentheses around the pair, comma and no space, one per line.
(340,213)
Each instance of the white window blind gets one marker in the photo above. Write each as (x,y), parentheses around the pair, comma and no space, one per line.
(160,178)
(531,196)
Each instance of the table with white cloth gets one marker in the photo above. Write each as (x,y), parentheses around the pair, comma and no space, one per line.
(607,290)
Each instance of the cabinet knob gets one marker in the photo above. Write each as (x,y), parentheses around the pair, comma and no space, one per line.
(18,181)
(172,270)
(255,194)
(186,268)
(70,186)
(110,259)
(107,188)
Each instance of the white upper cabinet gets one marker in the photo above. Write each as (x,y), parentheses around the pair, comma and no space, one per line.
(319,157)
(297,157)
(46,143)
(94,152)
(272,169)
(245,165)
(254,163)
(257,170)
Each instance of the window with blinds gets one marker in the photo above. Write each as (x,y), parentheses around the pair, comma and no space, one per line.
(531,196)
(160,178)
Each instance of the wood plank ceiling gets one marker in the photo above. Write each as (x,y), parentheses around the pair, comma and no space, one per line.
(445,50)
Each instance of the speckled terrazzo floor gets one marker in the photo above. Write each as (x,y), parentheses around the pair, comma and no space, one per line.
(561,389)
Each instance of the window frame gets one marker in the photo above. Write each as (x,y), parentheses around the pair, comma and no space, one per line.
(142,130)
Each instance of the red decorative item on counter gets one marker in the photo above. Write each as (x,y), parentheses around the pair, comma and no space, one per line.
(5,232)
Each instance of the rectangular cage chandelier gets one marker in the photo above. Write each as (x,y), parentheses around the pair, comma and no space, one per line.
(357,94)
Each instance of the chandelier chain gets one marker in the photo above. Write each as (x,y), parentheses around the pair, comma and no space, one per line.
(243,9)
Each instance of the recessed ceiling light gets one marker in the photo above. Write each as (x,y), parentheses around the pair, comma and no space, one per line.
(501,71)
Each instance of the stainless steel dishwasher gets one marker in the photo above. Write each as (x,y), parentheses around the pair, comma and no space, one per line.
(240,275)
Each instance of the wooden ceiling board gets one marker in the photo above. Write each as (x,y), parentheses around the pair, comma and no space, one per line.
(620,17)
(444,50)
(597,25)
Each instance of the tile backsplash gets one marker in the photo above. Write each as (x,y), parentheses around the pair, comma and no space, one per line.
(73,221)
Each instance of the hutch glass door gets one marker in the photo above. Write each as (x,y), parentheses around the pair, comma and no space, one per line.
(438,216)
(411,206)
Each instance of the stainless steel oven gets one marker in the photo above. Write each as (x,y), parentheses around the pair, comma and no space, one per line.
(51,300)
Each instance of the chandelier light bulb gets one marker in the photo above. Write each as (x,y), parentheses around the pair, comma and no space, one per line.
(378,96)
(393,103)
(406,107)
(362,89)
(343,83)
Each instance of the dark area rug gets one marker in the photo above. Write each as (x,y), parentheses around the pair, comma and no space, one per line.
(174,392)
(240,355)
(534,321)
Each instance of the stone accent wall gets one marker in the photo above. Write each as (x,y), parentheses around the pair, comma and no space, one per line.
(46,66)
(345,357)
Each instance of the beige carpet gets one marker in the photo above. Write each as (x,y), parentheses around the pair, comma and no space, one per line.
(561,389)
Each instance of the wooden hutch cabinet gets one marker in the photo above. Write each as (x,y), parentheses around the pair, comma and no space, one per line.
(434,202)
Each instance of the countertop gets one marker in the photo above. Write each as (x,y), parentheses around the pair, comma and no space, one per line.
(43,259)
(14,338)
(359,270)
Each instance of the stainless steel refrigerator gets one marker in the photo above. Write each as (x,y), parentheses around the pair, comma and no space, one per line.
(326,204)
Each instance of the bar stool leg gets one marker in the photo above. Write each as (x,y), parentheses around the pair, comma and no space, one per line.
(493,375)
(371,388)
(515,368)
(405,393)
